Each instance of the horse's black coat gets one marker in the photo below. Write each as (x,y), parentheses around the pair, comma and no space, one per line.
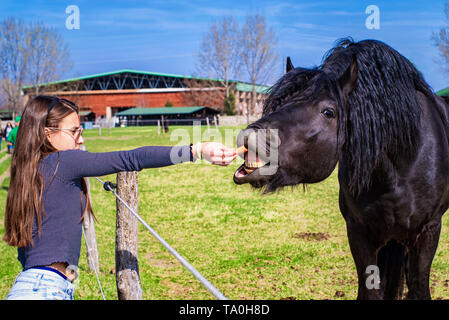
(369,109)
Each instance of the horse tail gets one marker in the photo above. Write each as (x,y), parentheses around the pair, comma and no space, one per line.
(391,261)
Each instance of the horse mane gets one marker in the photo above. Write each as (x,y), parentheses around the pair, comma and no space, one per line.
(381,115)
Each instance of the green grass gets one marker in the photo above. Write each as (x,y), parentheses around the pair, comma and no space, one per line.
(247,244)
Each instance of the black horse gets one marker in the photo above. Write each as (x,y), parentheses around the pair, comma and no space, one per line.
(369,109)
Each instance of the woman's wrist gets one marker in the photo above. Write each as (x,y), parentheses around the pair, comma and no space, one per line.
(196,150)
(199,150)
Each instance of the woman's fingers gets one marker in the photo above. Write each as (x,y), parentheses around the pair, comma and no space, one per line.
(222,157)
(223,160)
(217,153)
(223,152)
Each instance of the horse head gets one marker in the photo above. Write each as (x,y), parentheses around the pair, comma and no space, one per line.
(298,138)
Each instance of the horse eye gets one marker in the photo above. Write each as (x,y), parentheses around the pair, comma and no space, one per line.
(328,113)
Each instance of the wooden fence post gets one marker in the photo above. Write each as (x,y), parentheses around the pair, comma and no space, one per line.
(216,122)
(89,231)
(126,262)
(91,239)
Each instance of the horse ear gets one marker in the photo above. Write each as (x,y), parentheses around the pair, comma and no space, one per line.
(289,66)
(348,79)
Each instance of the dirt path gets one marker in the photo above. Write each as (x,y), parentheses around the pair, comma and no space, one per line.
(5,157)
(7,172)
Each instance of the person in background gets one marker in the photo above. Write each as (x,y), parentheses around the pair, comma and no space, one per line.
(6,133)
(1,135)
(13,134)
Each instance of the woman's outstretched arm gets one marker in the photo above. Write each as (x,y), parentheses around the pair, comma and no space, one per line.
(75,164)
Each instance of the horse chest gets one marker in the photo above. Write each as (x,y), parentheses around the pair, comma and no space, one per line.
(388,214)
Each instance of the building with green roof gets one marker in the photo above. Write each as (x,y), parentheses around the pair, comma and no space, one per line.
(107,94)
(172,115)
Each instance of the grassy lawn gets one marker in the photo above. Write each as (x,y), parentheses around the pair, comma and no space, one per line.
(291,244)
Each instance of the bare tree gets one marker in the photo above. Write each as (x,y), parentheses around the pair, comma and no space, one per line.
(219,55)
(441,39)
(13,60)
(30,54)
(49,55)
(259,53)
(3,101)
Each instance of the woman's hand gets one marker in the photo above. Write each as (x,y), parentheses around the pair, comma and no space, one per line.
(215,153)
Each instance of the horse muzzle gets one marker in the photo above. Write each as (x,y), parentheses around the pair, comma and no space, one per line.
(259,149)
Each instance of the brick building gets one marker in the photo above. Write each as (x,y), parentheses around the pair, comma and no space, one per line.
(106,94)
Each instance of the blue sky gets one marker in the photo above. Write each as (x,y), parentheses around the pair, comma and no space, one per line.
(164,36)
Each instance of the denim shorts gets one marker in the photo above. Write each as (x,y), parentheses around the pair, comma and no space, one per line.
(39,284)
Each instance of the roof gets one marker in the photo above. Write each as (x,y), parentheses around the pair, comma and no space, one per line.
(85,113)
(160,111)
(243,85)
(109,74)
(443,92)
(116,72)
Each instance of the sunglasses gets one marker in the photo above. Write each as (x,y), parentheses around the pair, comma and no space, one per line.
(75,133)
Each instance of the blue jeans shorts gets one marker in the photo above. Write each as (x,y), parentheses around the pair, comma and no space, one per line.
(39,284)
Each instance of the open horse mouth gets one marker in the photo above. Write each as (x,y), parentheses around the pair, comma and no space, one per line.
(249,171)
(259,149)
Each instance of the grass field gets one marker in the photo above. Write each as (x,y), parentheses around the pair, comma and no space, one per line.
(287,245)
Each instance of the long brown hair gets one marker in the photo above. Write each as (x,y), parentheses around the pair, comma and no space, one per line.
(24,202)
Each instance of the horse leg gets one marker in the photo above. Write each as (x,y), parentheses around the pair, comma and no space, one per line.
(364,253)
(421,254)
(391,262)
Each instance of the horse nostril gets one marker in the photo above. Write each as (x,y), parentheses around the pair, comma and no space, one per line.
(251,137)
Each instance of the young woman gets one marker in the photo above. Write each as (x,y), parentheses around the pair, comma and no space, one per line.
(47,193)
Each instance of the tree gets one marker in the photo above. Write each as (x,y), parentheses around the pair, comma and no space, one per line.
(258,52)
(441,39)
(13,60)
(229,105)
(219,55)
(3,102)
(205,93)
(30,54)
(49,55)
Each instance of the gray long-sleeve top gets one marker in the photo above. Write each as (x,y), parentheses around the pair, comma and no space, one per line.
(60,238)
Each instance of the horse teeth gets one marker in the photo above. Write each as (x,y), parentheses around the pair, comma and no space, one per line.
(256,164)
